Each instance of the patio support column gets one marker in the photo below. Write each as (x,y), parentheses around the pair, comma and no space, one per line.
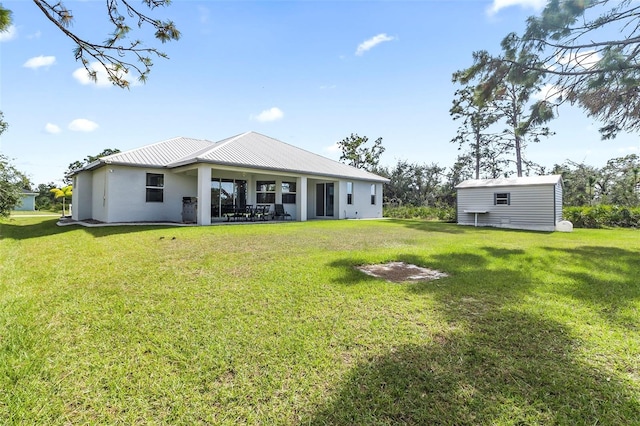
(204,194)
(301,205)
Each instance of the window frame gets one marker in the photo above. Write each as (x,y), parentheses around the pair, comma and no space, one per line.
(153,185)
(373,194)
(289,191)
(265,191)
(501,198)
(350,193)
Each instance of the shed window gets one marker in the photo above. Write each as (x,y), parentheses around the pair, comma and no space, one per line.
(349,192)
(373,194)
(155,188)
(503,198)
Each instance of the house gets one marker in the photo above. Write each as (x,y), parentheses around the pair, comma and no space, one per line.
(533,203)
(156,182)
(27,201)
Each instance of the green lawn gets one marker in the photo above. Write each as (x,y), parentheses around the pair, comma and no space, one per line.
(271,324)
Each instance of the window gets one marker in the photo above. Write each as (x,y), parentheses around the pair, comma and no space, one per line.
(265,192)
(349,192)
(155,188)
(373,193)
(503,198)
(288,192)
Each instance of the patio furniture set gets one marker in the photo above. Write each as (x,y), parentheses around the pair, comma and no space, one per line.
(258,212)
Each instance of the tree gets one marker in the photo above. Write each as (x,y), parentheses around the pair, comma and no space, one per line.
(118,57)
(65,193)
(11,186)
(3,124)
(45,198)
(357,155)
(412,183)
(579,181)
(510,90)
(476,118)
(589,51)
(77,165)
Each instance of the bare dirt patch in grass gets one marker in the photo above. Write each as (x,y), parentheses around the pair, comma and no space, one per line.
(399,272)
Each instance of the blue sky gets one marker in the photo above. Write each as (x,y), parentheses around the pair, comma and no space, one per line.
(306,72)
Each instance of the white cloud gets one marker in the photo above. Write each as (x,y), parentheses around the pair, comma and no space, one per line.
(372,42)
(102,77)
(586,59)
(332,148)
(83,125)
(548,92)
(52,128)
(9,34)
(40,62)
(267,115)
(498,5)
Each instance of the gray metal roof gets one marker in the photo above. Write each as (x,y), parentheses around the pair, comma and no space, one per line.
(158,154)
(512,181)
(250,150)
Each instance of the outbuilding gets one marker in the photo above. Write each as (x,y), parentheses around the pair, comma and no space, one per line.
(532,202)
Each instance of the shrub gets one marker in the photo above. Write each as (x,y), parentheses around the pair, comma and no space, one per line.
(602,216)
(442,213)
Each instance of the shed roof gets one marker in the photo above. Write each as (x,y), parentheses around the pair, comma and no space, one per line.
(251,150)
(512,181)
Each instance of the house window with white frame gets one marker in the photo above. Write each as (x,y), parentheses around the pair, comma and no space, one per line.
(373,194)
(155,188)
(349,192)
(266,191)
(502,198)
(288,192)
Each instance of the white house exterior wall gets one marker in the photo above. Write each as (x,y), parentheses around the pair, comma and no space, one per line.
(82,196)
(100,199)
(531,207)
(127,195)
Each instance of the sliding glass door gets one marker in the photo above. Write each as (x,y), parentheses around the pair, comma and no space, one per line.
(227,194)
(324,199)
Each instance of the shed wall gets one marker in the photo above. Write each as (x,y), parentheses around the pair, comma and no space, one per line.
(531,207)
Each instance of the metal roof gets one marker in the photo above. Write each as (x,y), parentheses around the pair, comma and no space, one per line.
(250,150)
(512,181)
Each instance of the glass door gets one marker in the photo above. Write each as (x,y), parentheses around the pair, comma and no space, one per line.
(324,199)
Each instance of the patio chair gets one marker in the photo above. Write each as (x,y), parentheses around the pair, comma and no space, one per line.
(280,212)
(262,212)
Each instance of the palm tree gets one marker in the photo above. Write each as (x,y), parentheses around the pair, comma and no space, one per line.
(64,192)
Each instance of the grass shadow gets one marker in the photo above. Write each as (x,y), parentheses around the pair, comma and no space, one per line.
(605,277)
(508,368)
(27,228)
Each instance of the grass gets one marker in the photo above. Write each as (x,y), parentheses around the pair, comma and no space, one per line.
(271,324)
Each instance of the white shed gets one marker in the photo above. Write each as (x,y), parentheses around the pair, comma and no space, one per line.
(533,202)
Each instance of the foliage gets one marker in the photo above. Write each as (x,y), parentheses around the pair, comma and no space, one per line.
(273,325)
(12,183)
(603,216)
(77,165)
(441,212)
(618,182)
(45,200)
(412,183)
(65,193)
(508,92)
(118,58)
(357,155)
(3,124)
(483,147)
(588,50)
